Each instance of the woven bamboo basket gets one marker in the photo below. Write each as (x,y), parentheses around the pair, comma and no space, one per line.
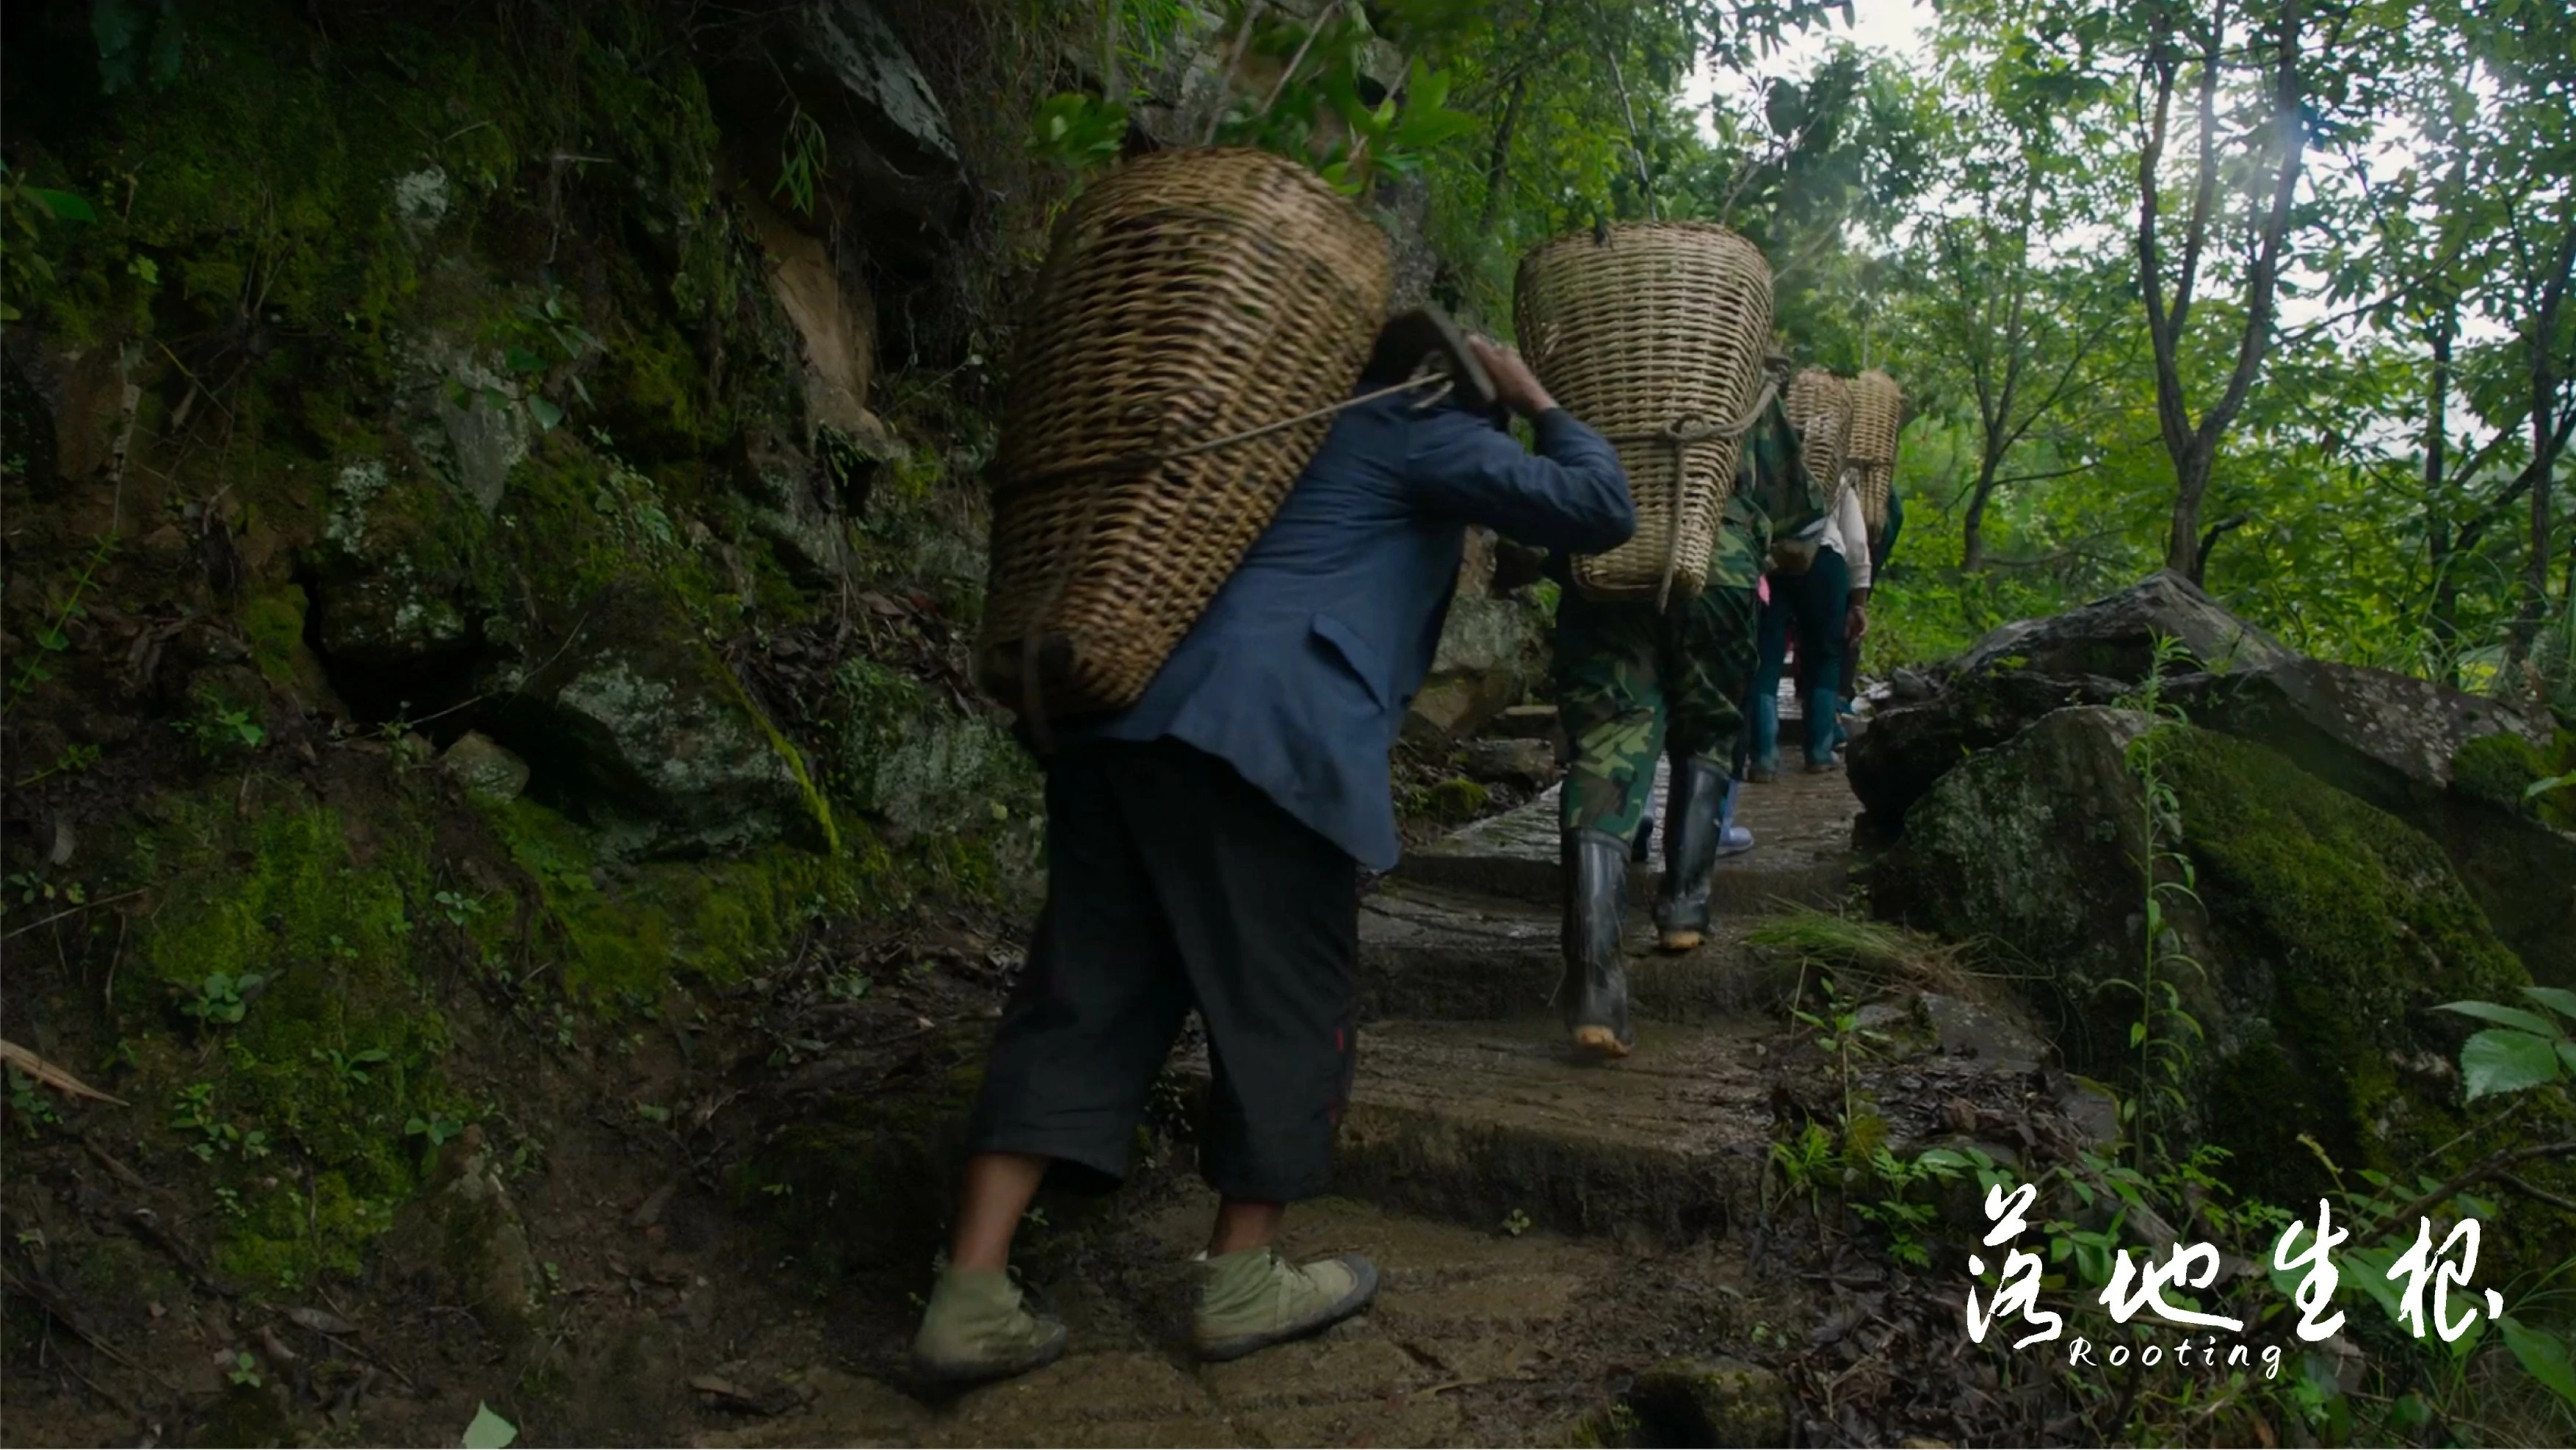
(1655,337)
(1820,408)
(1188,297)
(1878,410)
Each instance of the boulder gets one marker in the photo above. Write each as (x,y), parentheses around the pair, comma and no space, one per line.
(1491,651)
(914,761)
(2115,636)
(640,727)
(484,768)
(1909,746)
(1518,761)
(2391,740)
(2325,934)
(2449,763)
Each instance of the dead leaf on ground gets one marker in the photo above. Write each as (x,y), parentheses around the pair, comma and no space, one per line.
(52,1076)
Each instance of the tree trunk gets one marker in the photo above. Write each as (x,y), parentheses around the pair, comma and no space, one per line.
(1498,160)
(1972,535)
(2548,439)
(2194,447)
(2442,618)
(2182,542)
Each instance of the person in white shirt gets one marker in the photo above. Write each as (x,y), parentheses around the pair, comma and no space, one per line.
(1827,604)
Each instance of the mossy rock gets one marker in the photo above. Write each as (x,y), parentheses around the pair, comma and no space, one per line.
(627,930)
(2502,768)
(2328,933)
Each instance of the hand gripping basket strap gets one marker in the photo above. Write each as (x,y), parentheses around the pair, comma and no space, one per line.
(1199,316)
(1632,329)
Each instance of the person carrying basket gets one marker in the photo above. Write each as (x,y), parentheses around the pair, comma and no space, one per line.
(1203,848)
(1635,682)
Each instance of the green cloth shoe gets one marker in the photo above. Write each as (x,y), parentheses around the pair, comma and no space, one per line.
(977,1329)
(1253,1299)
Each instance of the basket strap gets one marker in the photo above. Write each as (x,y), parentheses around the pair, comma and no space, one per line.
(1032,694)
(1137,461)
(1682,432)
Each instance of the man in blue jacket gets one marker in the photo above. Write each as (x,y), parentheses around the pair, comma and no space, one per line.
(1203,850)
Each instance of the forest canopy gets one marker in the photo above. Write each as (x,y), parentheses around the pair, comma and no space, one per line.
(2270,293)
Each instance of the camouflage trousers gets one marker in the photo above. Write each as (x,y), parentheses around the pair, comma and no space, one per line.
(1631,681)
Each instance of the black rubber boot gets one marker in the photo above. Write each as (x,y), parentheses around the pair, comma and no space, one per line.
(1693,812)
(1594,993)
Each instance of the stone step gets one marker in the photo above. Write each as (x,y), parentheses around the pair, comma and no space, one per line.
(1484,1123)
(1802,833)
(1478,1336)
(1428,952)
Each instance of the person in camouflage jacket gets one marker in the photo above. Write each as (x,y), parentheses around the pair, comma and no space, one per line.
(1634,683)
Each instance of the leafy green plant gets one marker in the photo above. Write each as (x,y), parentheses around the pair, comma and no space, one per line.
(1516,1223)
(460,910)
(221,999)
(1078,130)
(804,154)
(2525,1049)
(245,1370)
(1842,1036)
(226,725)
(1803,1159)
(29,1105)
(1897,1213)
(31,888)
(2164,1031)
(436,1129)
(352,1069)
(22,241)
(73,760)
(54,637)
(194,1112)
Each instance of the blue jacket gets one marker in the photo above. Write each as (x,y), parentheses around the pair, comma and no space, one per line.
(1299,673)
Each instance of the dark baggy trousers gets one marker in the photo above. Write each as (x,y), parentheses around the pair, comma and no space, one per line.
(1815,604)
(1171,884)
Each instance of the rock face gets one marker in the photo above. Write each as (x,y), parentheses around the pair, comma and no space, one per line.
(2413,749)
(883,131)
(1910,746)
(2115,635)
(643,728)
(1491,652)
(2327,932)
(2388,739)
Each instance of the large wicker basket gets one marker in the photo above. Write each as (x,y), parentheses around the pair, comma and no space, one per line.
(1878,410)
(1188,297)
(1655,337)
(1820,408)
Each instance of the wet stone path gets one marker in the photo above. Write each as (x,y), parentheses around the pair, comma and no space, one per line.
(1542,1227)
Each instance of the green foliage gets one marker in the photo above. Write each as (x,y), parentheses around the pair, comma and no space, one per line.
(221,999)
(802,159)
(2526,1049)
(137,39)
